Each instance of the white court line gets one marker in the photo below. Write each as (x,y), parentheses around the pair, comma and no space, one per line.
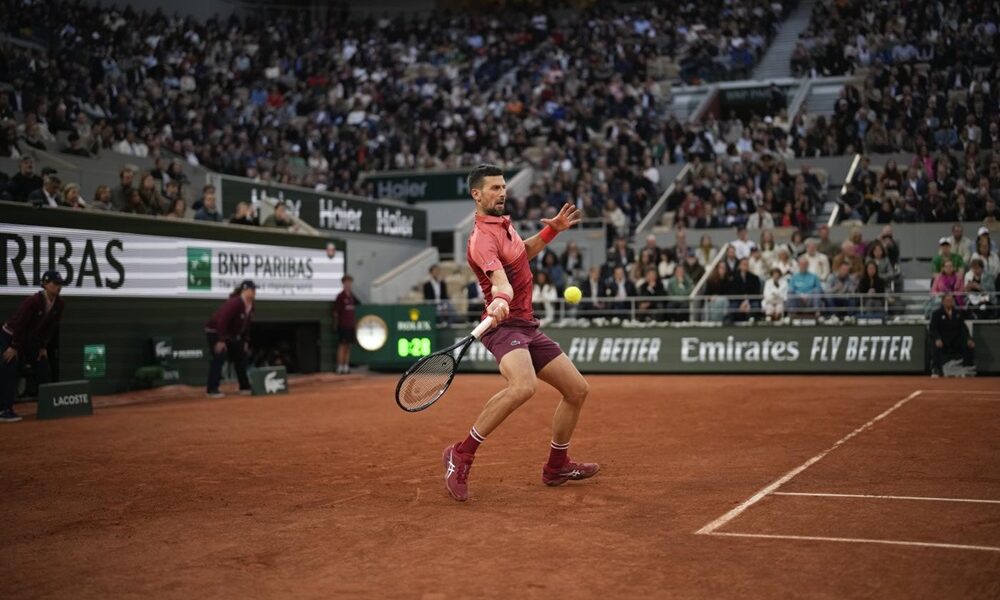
(880,497)
(962,392)
(857,541)
(729,516)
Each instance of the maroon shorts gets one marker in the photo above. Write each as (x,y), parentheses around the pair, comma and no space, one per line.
(508,337)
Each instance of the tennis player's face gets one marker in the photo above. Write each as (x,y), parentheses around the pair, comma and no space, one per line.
(492,197)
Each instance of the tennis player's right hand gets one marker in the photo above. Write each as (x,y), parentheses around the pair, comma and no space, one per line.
(9,354)
(498,309)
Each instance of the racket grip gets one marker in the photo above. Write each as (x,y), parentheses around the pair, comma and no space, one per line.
(482,327)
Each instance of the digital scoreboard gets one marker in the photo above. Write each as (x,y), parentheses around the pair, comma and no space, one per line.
(395,336)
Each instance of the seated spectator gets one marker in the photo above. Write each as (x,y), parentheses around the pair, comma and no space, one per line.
(149,190)
(948,281)
(950,336)
(692,267)
(825,244)
(25,181)
(759,266)
(593,289)
(679,286)
(616,219)
(743,288)
(178,210)
(805,292)
(134,204)
(840,287)
(980,288)
(244,215)
(572,262)
(743,244)
(960,244)
(946,255)
(621,253)
(890,274)
(680,247)
(48,195)
(848,255)
(102,199)
(796,245)
(557,275)
(75,146)
(775,295)
(474,294)
(121,195)
(767,246)
(667,265)
(617,291)
(717,304)
(872,291)
(761,219)
(705,251)
(889,244)
(989,256)
(652,247)
(131,146)
(208,212)
(783,261)
(71,196)
(544,293)
(819,264)
(857,239)
(652,287)
(279,219)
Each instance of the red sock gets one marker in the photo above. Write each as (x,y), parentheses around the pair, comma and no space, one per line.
(471,443)
(557,455)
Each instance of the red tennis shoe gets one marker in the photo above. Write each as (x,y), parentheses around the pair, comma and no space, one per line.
(456,472)
(569,470)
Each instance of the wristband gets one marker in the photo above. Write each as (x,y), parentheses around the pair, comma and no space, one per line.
(548,234)
(502,296)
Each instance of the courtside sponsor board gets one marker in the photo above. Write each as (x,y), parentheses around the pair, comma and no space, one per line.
(268,381)
(415,186)
(117,264)
(64,399)
(896,349)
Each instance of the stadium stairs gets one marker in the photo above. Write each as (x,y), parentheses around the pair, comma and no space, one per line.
(777,61)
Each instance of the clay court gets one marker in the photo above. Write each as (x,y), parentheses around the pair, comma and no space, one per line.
(712,487)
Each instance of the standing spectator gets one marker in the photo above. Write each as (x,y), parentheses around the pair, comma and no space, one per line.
(48,195)
(228,335)
(651,287)
(946,255)
(102,199)
(279,219)
(208,212)
(743,244)
(848,255)
(344,320)
(840,288)
(819,264)
(593,289)
(979,289)
(544,293)
(804,290)
(743,290)
(990,258)
(25,339)
(243,215)
(775,296)
(436,291)
(960,244)
(25,181)
(825,244)
(618,291)
(121,196)
(679,287)
(950,335)
(871,287)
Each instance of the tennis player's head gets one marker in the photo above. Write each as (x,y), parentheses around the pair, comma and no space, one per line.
(488,189)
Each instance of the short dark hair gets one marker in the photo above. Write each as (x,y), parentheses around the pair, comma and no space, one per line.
(481,172)
(346,278)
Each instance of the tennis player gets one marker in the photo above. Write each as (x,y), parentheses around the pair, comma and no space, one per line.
(499,258)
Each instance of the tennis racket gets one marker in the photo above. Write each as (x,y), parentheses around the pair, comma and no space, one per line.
(428,379)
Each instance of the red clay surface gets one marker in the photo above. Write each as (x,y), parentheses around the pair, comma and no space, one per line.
(333,492)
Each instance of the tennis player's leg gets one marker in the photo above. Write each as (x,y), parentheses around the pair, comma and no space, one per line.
(516,367)
(562,374)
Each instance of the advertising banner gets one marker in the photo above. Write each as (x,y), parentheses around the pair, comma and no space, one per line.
(64,399)
(119,264)
(415,186)
(895,349)
(332,212)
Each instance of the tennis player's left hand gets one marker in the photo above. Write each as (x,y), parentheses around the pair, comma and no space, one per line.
(569,215)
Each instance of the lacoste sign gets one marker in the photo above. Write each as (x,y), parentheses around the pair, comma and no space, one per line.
(64,399)
(268,381)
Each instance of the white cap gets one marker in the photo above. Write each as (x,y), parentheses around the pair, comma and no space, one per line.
(943,241)
(982,231)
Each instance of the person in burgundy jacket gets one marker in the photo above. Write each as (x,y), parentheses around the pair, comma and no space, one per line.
(228,333)
(24,339)
(344,308)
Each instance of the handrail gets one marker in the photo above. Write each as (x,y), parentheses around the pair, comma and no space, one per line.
(646,223)
(835,213)
(709,270)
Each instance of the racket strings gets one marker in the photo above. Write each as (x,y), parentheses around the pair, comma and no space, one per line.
(427,381)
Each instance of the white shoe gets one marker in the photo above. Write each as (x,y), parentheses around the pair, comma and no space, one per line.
(215,395)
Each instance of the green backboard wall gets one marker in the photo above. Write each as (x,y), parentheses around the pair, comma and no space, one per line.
(393,337)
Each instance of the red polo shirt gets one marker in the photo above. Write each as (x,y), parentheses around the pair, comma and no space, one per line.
(495,244)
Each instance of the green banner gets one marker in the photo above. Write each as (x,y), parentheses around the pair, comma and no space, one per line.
(268,381)
(64,399)
(332,212)
(987,338)
(895,349)
(414,186)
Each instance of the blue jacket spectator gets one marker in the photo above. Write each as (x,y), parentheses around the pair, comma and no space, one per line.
(805,290)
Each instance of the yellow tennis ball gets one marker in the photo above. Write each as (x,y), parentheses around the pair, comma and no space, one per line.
(572,294)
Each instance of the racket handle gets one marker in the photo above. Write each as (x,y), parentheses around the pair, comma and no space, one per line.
(482,327)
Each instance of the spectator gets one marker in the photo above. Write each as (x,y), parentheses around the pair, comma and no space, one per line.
(759,266)
(767,246)
(572,262)
(840,287)
(775,296)
(622,254)
(848,255)
(950,336)
(149,191)
(761,219)
(680,247)
(819,264)
(990,258)
(616,219)
(436,291)
(743,289)
(742,244)
(692,268)
(796,245)
(71,196)
(208,212)
(618,290)
(102,199)
(243,215)
(121,196)
(946,255)
(979,287)
(474,294)
(706,250)
(130,146)
(544,293)
(651,287)
(75,146)
(134,204)
(783,261)
(717,304)
(948,281)
(679,286)
(25,181)
(890,274)
(825,244)
(593,289)
(665,268)
(889,245)
(178,210)
(652,247)
(557,275)
(804,290)
(732,262)
(960,244)
(48,195)
(871,287)
(344,320)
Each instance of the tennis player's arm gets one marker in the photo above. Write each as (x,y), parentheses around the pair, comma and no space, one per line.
(533,246)
(502,292)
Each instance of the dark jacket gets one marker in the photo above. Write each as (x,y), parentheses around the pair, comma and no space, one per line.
(231,321)
(950,330)
(429,290)
(22,185)
(31,326)
(738,286)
